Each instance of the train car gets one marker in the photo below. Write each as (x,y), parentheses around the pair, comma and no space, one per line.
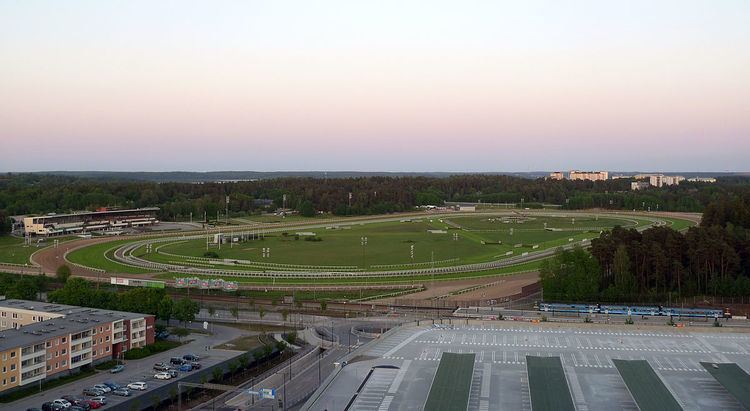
(655,310)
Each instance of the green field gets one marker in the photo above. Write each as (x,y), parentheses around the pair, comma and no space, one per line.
(416,279)
(94,256)
(14,251)
(461,240)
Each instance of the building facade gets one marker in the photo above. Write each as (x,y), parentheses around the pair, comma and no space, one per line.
(41,340)
(557,175)
(660,180)
(589,175)
(60,224)
(639,185)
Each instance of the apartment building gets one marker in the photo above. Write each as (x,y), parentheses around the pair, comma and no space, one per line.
(556,175)
(41,340)
(589,175)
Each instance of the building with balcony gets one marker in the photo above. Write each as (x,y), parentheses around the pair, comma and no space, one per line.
(41,340)
(589,175)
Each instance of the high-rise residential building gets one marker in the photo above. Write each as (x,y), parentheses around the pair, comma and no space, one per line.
(556,175)
(589,175)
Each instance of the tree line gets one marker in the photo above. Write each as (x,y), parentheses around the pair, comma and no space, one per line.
(630,266)
(154,301)
(22,194)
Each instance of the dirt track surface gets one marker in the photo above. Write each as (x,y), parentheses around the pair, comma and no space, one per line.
(50,258)
(506,286)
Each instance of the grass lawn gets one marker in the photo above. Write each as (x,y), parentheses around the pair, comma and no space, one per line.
(452,383)
(303,295)
(389,245)
(93,256)
(513,269)
(14,251)
(246,343)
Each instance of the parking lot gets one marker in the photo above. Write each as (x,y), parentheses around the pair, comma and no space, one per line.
(141,370)
(586,352)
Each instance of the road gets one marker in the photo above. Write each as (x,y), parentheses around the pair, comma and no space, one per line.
(140,370)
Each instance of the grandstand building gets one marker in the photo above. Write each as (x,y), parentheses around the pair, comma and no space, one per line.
(60,224)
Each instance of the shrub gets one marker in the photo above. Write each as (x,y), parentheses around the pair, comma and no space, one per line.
(155,348)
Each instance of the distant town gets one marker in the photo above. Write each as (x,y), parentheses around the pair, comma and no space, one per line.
(642,181)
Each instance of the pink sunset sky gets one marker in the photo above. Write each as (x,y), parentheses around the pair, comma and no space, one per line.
(375,86)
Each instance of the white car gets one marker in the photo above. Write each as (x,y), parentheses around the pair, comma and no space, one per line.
(102,387)
(140,385)
(163,376)
(61,402)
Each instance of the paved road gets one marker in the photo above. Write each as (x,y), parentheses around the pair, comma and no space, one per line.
(140,370)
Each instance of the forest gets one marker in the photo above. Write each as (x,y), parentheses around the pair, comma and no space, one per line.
(625,265)
(22,194)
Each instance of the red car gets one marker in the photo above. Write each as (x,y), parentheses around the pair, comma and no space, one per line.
(93,404)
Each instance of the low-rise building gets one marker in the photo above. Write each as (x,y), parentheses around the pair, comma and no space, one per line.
(42,340)
(639,185)
(702,180)
(556,175)
(660,180)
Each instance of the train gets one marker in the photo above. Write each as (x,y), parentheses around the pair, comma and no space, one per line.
(654,310)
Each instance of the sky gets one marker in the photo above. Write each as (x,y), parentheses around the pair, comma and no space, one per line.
(375,85)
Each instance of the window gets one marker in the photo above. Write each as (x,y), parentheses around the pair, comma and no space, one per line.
(12,379)
(49,355)
(4,371)
(15,315)
(13,367)
(64,362)
(33,318)
(3,314)
(107,348)
(100,340)
(5,357)
(94,332)
(3,323)
(107,339)
(49,344)
(49,367)
(107,327)
(57,365)
(57,342)
(12,354)
(4,382)
(64,340)
(64,351)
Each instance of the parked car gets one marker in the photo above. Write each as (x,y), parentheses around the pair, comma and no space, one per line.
(77,401)
(160,366)
(191,357)
(196,365)
(162,335)
(117,368)
(139,385)
(122,392)
(172,373)
(93,404)
(102,387)
(62,402)
(161,376)
(186,367)
(100,399)
(176,361)
(112,385)
(92,392)
(50,406)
